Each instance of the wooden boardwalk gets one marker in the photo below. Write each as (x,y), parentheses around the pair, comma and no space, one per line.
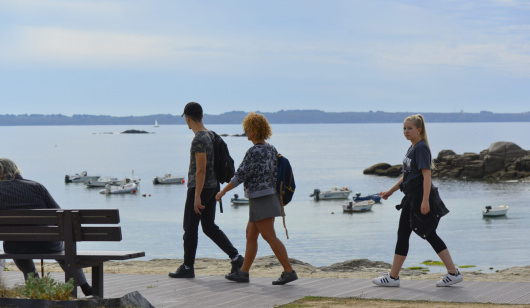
(215,291)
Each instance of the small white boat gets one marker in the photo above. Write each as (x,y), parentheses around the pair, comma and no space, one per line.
(156,123)
(129,188)
(80,178)
(239,201)
(498,210)
(103,181)
(359,206)
(333,193)
(168,179)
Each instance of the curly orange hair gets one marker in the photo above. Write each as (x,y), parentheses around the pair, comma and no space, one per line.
(258,124)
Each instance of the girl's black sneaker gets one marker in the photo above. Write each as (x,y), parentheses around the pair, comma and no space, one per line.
(286,278)
(238,276)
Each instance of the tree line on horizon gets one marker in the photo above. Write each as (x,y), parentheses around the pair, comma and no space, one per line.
(279,117)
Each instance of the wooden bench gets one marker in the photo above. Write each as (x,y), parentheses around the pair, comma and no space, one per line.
(70,226)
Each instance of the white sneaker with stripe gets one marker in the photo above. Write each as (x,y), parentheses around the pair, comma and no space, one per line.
(386,281)
(450,279)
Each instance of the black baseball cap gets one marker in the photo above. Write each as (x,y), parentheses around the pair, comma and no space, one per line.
(192,109)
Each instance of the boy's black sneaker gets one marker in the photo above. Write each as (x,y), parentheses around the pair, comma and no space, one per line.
(182,272)
(87,289)
(236,265)
(238,276)
(286,278)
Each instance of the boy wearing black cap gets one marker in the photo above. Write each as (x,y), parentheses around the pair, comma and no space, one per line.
(200,199)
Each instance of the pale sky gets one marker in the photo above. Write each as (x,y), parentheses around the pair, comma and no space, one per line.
(143,57)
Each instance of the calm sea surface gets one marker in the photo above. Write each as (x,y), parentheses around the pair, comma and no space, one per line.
(323,156)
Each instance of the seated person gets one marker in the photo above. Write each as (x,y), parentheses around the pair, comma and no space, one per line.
(19,193)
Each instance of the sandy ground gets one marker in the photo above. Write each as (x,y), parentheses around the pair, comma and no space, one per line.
(269,267)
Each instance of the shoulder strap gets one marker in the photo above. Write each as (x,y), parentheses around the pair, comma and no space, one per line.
(278,156)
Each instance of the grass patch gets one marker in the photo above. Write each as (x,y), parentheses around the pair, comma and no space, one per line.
(418,268)
(440,263)
(433,263)
(320,302)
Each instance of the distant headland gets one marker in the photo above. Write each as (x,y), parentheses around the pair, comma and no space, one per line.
(279,117)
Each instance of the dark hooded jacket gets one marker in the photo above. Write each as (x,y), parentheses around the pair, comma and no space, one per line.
(419,223)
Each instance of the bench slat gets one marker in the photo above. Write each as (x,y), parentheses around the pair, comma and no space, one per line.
(97,216)
(29,229)
(106,234)
(32,237)
(82,256)
(31,233)
(52,216)
(33,217)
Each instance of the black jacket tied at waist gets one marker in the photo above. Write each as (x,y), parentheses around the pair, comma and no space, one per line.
(419,223)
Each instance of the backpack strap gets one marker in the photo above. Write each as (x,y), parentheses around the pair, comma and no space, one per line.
(284,226)
(282,204)
(220,201)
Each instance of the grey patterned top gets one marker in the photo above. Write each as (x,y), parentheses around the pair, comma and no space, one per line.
(202,143)
(258,171)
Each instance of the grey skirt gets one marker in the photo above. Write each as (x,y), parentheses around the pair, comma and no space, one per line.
(264,207)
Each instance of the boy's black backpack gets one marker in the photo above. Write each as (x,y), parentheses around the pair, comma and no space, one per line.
(223,163)
(285,185)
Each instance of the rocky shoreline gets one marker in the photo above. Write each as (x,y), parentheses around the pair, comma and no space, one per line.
(501,161)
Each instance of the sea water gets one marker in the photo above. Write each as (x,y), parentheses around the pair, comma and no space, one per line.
(322,155)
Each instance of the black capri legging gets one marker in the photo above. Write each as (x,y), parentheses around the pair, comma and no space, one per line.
(404,231)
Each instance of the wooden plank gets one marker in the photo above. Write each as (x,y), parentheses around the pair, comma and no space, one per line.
(29,230)
(31,233)
(99,216)
(104,234)
(101,256)
(30,217)
(47,256)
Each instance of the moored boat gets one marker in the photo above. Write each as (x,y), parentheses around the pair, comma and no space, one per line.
(333,193)
(168,179)
(375,197)
(114,181)
(80,178)
(104,180)
(359,206)
(239,201)
(494,211)
(129,188)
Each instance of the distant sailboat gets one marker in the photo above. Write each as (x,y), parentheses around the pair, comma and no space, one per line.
(156,123)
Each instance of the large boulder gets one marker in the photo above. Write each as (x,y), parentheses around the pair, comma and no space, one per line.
(373,169)
(445,155)
(394,171)
(523,163)
(507,150)
(474,169)
(384,169)
(493,164)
